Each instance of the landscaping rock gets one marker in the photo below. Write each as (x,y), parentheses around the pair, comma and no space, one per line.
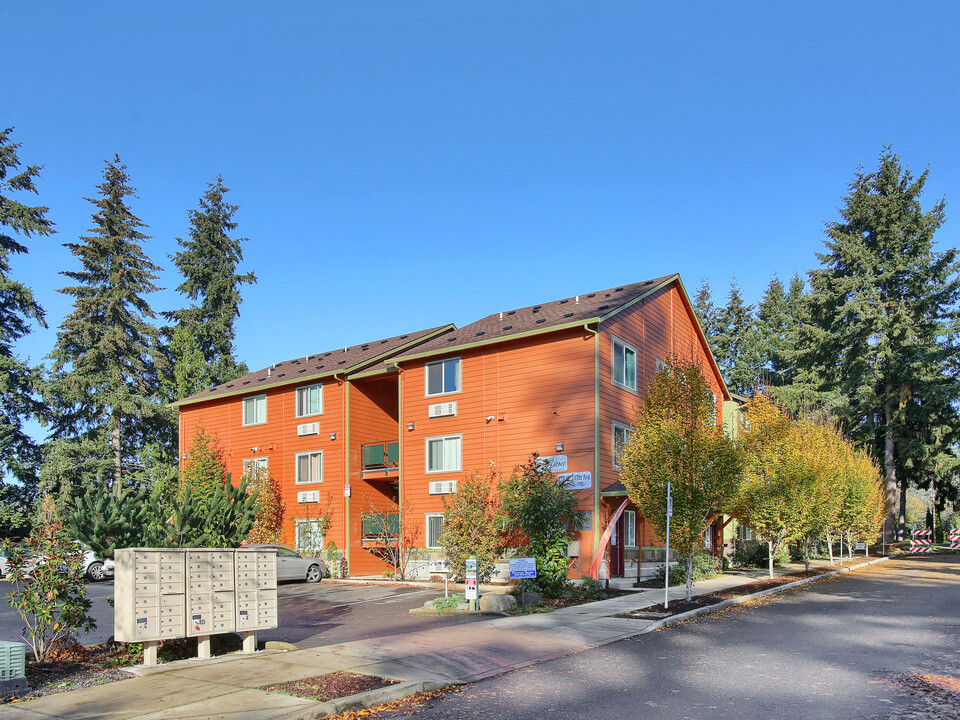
(497,602)
(532,599)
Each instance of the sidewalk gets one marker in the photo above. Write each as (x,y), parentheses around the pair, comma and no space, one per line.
(226,687)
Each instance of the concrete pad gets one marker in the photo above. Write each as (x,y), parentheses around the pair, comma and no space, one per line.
(247,675)
(242,705)
(13,712)
(124,699)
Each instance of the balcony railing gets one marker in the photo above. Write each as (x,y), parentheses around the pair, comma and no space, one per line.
(380,528)
(380,457)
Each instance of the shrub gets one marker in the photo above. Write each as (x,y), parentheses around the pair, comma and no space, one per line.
(590,590)
(705,566)
(48,591)
(470,527)
(445,604)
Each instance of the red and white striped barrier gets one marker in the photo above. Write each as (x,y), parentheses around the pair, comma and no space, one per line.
(954,538)
(920,541)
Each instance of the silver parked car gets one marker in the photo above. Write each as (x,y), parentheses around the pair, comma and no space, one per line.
(291,565)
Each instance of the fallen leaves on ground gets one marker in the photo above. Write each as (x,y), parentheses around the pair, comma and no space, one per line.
(331,686)
(405,706)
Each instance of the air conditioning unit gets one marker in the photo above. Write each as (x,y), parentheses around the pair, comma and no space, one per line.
(443,487)
(437,566)
(308,496)
(308,429)
(444,409)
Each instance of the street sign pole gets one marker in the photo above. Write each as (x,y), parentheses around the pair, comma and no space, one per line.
(666,560)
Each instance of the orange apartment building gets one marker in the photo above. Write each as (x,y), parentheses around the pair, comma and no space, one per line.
(397,422)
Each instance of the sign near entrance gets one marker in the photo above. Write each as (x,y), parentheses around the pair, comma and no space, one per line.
(470,588)
(523,568)
(555,463)
(577,480)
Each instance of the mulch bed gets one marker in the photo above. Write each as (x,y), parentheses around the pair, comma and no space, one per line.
(330,687)
(72,667)
(699,601)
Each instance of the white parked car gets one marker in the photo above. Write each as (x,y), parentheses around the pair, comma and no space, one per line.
(95,569)
(291,565)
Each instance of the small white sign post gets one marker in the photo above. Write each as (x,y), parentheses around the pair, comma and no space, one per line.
(666,559)
(470,589)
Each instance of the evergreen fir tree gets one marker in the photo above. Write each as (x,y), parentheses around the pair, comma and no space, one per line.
(105,359)
(778,318)
(737,345)
(208,261)
(706,311)
(880,343)
(19,455)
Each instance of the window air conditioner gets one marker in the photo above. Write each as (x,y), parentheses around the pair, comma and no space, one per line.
(308,429)
(444,409)
(443,487)
(308,496)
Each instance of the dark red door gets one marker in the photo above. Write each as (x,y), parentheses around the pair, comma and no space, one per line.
(616,549)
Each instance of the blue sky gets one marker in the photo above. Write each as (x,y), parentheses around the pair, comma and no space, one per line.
(404,165)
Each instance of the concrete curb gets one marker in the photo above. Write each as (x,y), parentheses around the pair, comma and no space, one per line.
(691,614)
(371,698)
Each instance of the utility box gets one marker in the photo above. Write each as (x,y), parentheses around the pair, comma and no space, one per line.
(149,594)
(13,664)
(256,589)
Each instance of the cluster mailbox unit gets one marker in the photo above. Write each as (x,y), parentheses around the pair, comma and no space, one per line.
(165,593)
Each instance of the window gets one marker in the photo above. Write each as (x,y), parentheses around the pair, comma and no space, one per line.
(309,400)
(621,434)
(630,528)
(443,453)
(309,467)
(252,466)
(443,377)
(584,520)
(434,530)
(309,538)
(624,365)
(255,410)
(743,533)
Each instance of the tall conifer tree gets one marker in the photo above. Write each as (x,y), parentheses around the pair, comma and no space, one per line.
(208,261)
(19,455)
(706,311)
(737,343)
(881,341)
(106,356)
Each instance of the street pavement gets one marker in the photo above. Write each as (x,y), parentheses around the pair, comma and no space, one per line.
(227,687)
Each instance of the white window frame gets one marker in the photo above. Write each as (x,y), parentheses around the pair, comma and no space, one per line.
(629,528)
(296,467)
(445,468)
(613,361)
(254,399)
(426,531)
(319,388)
(440,363)
(298,523)
(617,425)
(254,463)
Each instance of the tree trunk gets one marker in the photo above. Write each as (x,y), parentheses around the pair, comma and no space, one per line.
(117,457)
(830,546)
(770,557)
(806,554)
(897,525)
(841,549)
(850,546)
(690,575)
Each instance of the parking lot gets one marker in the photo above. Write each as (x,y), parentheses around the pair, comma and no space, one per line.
(310,615)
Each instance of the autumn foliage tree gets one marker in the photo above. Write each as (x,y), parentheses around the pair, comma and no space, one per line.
(471,525)
(268,526)
(678,441)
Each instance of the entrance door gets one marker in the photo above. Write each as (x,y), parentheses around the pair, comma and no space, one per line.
(616,549)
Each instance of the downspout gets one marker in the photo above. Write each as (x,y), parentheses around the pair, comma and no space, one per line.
(596,434)
(400,437)
(346,469)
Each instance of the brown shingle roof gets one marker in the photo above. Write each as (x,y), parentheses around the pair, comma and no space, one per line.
(307,367)
(539,318)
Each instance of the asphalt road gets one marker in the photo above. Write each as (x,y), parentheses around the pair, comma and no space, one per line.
(310,614)
(838,649)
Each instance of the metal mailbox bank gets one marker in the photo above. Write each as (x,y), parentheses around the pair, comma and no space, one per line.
(161,594)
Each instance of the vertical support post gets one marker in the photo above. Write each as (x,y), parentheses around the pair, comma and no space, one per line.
(666,559)
(203,647)
(250,641)
(150,653)
(523,594)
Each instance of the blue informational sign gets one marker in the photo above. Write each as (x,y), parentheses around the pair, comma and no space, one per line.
(523,568)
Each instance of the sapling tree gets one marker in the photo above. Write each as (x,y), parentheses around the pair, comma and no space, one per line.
(678,441)
(48,592)
(268,525)
(471,525)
